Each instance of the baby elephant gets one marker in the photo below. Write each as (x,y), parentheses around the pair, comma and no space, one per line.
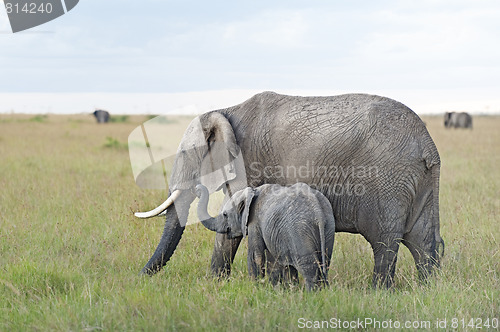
(293,228)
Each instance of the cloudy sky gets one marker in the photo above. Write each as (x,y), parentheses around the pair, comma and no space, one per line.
(426,53)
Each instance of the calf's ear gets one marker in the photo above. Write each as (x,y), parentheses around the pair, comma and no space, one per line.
(244,209)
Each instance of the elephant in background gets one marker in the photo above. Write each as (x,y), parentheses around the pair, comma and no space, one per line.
(101,116)
(457,120)
(290,228)
(370,156)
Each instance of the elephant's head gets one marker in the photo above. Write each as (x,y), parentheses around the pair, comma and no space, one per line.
(233,218)
(205,155)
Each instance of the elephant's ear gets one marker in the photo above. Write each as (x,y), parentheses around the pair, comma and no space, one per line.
(217,166)
(249,194)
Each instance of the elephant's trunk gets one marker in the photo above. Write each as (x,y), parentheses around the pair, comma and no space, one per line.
(213,225)
(176,218)
(205,218)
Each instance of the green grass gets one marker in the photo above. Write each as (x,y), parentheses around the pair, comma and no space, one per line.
(113,143)
(118,118)
(38,118)
(71,249)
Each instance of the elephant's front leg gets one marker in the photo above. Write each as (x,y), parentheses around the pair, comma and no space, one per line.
(257,253)
(223,255)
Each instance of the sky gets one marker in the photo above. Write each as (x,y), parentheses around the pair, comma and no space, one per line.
(155,56)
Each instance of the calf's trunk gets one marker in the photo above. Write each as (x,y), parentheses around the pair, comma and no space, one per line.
(207,220)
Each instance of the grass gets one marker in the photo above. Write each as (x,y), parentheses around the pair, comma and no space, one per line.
(38,118)
(118,118)
(113,143)
(70,247)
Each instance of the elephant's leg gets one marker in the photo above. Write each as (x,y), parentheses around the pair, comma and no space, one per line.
(421,241)
(312,280)
(385,252)
(223,255)
(275,271)
(310,268)
(290,275)
(257,253)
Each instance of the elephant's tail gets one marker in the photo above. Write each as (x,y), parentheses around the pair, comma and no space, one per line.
(435,171)
(433,163)
(321,226)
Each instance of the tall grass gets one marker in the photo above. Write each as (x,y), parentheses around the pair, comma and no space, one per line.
(70,248)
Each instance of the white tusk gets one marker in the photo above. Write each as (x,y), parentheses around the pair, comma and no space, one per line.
(161,208)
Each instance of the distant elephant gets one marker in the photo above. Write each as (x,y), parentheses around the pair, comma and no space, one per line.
(292,228)
(457,120)
(370,156)
(101,116)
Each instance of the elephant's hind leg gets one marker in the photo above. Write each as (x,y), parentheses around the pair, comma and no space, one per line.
(385,253)
(290,275)
(275,271)
(310,268)
(383,223)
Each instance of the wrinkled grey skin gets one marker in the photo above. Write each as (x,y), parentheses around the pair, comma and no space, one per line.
(292,228)
(101,116)
(457,120)
(397,196)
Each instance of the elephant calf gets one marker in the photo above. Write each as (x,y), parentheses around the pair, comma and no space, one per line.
(292,228)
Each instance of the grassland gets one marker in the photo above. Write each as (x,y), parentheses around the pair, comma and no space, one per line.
(70,248)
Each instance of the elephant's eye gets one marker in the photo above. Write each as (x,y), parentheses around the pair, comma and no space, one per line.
(224,214)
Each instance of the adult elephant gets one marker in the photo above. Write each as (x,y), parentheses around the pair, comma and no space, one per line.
(371,156)
(457,120)
(101,116)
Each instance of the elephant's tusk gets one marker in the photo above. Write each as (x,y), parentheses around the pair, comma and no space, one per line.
(161,208)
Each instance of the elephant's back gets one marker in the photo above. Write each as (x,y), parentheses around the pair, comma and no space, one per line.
(308,117)
(349,123)
(342,130)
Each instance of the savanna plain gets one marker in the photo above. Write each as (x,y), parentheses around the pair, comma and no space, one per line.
(71,249)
